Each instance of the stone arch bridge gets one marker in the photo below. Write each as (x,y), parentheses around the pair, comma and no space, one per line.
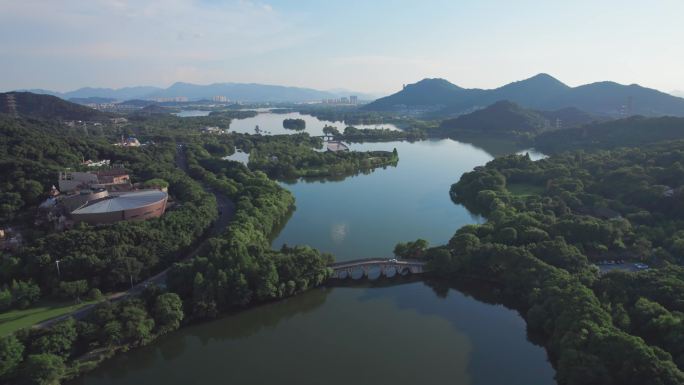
(387,267)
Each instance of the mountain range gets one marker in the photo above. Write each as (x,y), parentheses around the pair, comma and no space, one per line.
(440,98)
(245,92)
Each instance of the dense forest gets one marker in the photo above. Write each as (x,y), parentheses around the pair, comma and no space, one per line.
(348,115)
(239,267)
(502,118)
(547,220)
(70,347)
(233,270)
(634,131)
(106,258)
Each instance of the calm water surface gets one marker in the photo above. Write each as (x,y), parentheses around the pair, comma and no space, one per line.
(388,334)
(192,113)
(404,334)
(366,215)
(272,123)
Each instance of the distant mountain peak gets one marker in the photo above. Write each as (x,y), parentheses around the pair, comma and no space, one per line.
(437,98)
(544,76)
(434,82)
(541,81)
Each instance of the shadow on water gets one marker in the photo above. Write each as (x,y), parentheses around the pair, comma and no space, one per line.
(495,147)
(229,327)
(380,282)
(474,308)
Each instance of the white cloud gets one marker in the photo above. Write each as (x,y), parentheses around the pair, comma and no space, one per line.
(169,35)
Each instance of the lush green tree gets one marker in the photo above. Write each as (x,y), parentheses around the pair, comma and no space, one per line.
(24,293)
(112,333)
(168,312)
(331,130)
(136,324)
(416,249)
(11,354)
(57,340)
(5,299)
(73,289)
(42,369)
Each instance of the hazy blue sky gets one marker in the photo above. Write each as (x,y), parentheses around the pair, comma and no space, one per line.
(363,45)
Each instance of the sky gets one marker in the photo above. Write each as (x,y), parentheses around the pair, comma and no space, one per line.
(360,45)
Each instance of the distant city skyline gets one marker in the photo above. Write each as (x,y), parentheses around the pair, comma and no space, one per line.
(370,47)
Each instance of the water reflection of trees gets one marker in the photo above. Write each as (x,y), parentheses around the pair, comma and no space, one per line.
(252,321)
(484,292)
(495,147)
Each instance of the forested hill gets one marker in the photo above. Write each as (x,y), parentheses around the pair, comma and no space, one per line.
(438,97)
(634,131)
(501,117)
(571,117)
(505,118)
(27,104)
(548,222)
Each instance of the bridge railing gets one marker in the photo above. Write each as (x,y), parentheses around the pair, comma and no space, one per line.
(370,261)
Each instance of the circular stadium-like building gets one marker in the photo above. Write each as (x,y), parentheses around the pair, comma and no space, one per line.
(137,205)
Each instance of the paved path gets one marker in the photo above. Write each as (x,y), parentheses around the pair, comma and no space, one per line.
(376,261)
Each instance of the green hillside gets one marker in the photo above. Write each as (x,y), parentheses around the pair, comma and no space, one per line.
(634,131)
(502,118)
(39,106)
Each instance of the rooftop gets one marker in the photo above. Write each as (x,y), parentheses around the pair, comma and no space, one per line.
(123,202)
(337,146)
(112,172)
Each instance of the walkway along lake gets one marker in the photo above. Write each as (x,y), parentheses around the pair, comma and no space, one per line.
(376,333)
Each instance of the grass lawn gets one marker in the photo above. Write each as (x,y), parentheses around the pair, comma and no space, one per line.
(14,320)
(525,189)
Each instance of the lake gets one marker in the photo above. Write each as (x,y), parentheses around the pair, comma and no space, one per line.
(387,332)
(272,123)
(192,113)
